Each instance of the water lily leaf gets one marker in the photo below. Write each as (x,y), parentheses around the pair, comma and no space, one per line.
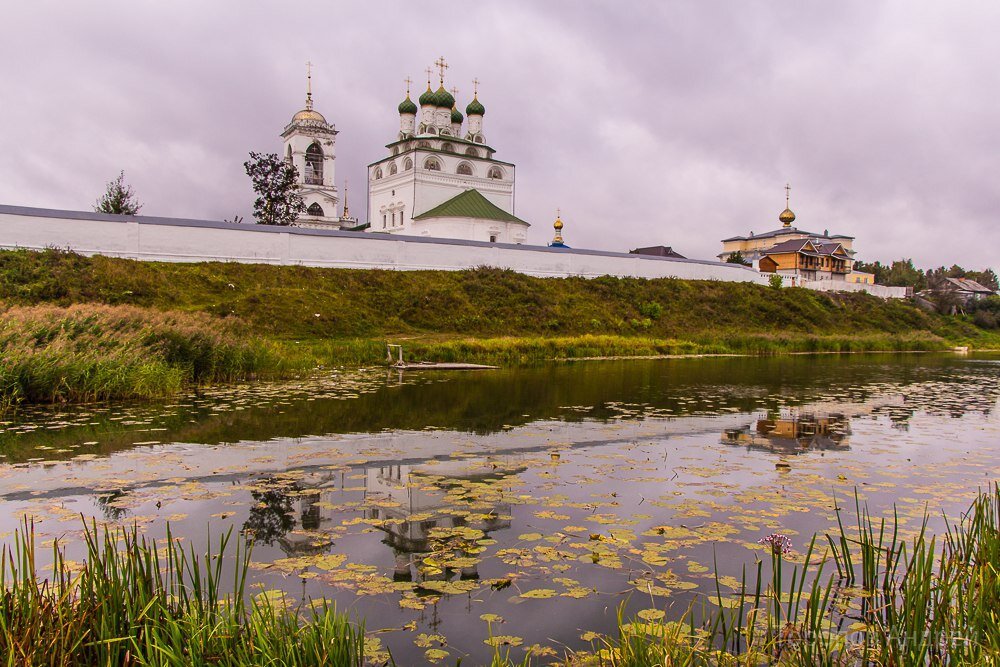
(539,593)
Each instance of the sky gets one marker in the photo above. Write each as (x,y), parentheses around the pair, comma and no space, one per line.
(645,123)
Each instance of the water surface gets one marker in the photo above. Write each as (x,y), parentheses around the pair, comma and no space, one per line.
(527,503)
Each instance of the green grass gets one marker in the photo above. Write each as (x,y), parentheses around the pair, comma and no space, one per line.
(136,602)
(216,322)
(89,352)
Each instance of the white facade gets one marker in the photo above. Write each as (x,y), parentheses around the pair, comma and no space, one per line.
(431,163)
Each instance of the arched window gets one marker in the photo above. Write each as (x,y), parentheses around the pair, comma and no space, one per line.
(424,144)
(431,130)
(378,173)
(465,169)
(495,172)
(315,210)
(395,150)
(445,132)
(447,147)
(472,151)
(314,165)
(393,169)
(431,164)
(407,164)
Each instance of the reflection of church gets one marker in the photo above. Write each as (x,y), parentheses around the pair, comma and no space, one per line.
(793,434)
(413,505)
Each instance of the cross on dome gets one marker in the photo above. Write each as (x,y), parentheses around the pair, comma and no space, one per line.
(309,87)
(442,65)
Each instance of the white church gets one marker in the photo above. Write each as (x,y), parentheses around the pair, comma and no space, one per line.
(440,179)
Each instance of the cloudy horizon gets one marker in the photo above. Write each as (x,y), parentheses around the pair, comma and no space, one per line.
(672,123)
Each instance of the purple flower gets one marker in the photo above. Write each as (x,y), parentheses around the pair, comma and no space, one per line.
(780,544)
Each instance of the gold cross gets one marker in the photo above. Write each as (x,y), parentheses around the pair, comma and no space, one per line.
(454,93)
(407,81)
(475,87)
(429,72)
(788,190)
(442,66)
(309,86)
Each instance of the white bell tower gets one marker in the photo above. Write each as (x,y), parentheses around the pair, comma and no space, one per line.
(309,144)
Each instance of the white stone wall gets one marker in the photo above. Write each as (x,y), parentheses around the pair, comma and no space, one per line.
(473,229)
(883,291)
(176,240)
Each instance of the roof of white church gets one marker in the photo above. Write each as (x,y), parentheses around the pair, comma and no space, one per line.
(469,204)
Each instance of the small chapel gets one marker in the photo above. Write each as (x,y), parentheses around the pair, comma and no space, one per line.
(441,178)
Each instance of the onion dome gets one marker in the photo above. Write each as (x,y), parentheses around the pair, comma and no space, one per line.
(787,217)
(475,108)
(558,224)
(428,97)
(444,98)
(456,116)
(308,114)
(407,106)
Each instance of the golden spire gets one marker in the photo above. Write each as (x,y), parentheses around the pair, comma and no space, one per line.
(309,86)
(347,211)
(558,225)
(787,217)
(442,66)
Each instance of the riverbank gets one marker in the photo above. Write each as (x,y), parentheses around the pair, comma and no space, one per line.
(94,328)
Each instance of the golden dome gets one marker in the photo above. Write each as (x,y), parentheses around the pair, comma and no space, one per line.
(558,224)
(308,114)
(787,217)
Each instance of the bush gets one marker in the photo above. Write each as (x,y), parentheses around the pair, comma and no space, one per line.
(775,281)
(986,320)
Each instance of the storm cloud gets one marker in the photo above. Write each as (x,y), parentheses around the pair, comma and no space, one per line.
(645,122)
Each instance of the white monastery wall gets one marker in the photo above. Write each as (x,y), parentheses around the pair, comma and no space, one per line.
(883,291)
(178,240)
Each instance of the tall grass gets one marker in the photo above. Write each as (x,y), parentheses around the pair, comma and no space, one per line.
(928,600)
(136,602)
(89,352)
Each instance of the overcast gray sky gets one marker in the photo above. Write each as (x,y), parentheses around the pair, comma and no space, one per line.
(645,122)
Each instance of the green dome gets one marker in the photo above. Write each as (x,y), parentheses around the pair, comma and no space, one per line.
(407,106)
(444,98)
(475,108)
(428,98)
(456,116)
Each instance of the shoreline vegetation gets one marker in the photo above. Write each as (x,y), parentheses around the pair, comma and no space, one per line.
(81,329)
(862,595)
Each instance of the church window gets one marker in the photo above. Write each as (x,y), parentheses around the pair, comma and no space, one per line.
(315,210)
(407,164)
(447,147)
(464,169)
(385,219)
(493,238)
(378,173)
(495,172)
(432,164)
(314,165)
(393,169)
(445,132)
(431,130)
(472,151)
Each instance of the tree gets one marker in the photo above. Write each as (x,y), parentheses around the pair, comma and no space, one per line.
(738,258)
(878,269)
(276,183)
(902,273)
(118,199)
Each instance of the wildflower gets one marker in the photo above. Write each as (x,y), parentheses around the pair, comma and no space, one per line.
(780,544)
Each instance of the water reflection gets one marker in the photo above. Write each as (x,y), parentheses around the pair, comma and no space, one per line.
(793,434)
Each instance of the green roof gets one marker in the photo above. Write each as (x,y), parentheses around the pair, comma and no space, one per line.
(469,204)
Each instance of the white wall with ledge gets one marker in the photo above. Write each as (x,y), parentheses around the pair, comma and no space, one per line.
(181,240)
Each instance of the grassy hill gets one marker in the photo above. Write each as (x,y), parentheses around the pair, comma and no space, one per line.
(302,316)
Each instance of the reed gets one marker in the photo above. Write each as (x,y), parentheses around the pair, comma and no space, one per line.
(134,601)
(88,352)
(890,602)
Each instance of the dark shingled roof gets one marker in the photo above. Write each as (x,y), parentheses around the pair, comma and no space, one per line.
(469,204)
(968,285)
(797,245)
(787,230)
